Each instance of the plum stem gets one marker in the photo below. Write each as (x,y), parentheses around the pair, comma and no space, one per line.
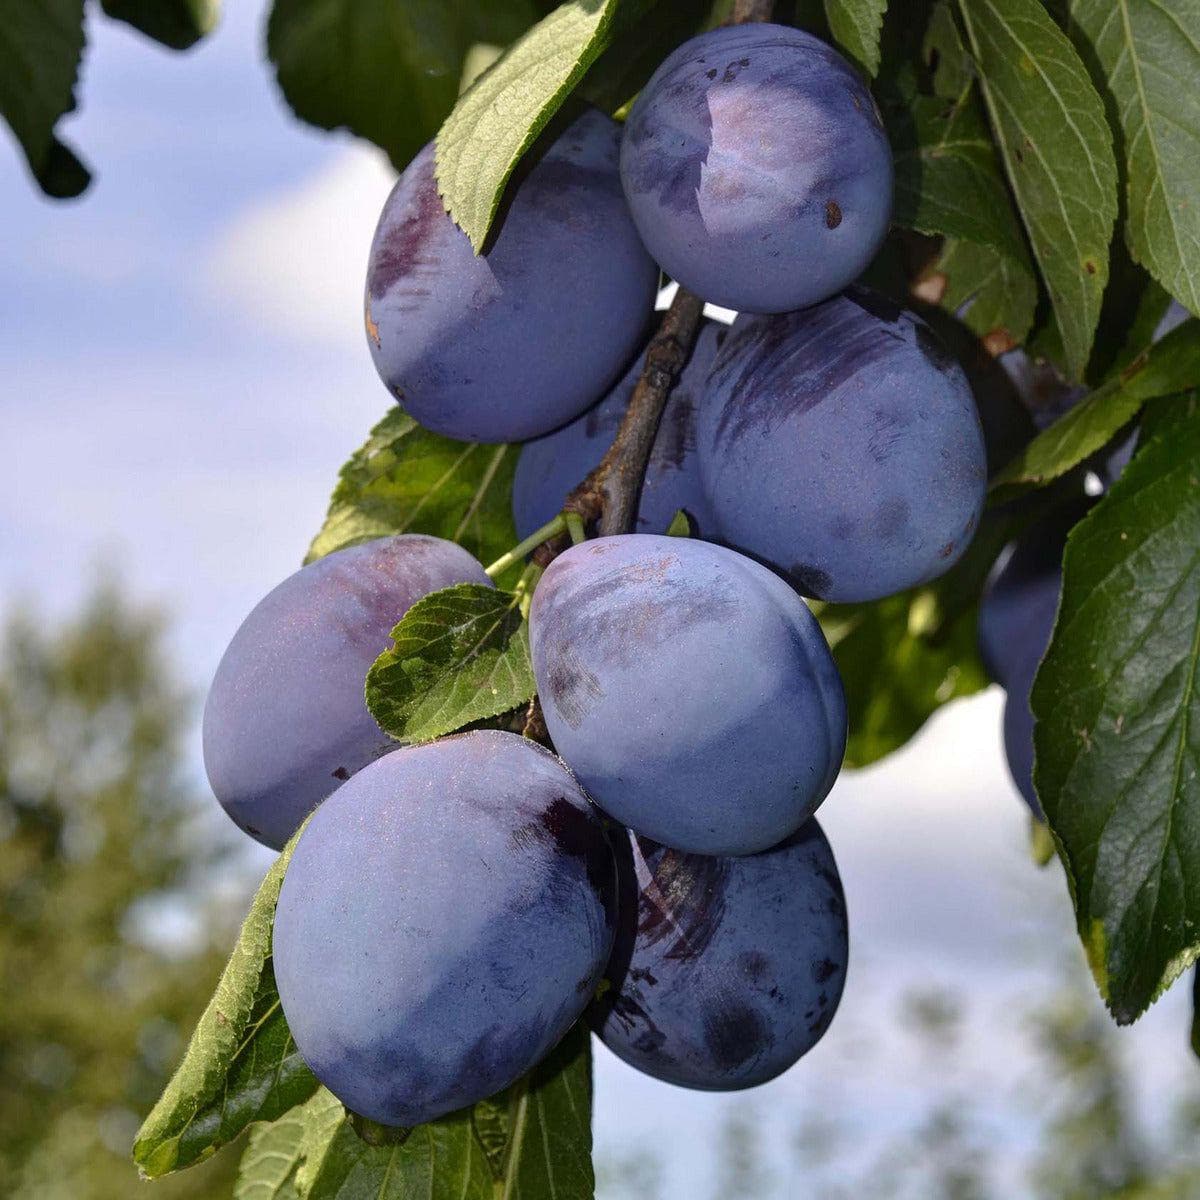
(609,495)
(550,530)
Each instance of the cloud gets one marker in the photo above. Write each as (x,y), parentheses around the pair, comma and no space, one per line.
(294,262)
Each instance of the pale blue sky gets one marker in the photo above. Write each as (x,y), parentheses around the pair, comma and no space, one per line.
(182,371)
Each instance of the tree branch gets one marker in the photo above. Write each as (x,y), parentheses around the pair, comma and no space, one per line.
(608,497)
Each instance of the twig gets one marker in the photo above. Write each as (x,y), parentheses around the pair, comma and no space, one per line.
(609,495)
(745,11)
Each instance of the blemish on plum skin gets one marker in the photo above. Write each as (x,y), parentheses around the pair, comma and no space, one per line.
(833,214)
(341,773)
(372,327)
(824,970)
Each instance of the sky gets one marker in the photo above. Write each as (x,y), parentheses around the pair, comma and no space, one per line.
(182,372)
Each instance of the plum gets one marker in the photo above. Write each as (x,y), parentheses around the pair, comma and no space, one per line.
(842,445)
(689,689)
(1016,621)
(551,466)
(725,971)
(444,920)
(285,721)
(757,169)
(511,343)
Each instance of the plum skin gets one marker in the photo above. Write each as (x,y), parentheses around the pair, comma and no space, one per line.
(725,971)
(551,466)
(689,689)
(842,445)
(757,169)
(444,920)
(1016,622)
(512,343)
(285,721)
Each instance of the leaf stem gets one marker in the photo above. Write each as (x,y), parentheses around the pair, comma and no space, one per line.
(550,530)
(575,527)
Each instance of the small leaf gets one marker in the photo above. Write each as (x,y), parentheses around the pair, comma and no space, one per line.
(1171,365)
(499,118)
(408,480)
(681,525)
(1148,59)
(40,48)
(459,655)
(1118,719)
(385,70)
(175,23)
(856,26)
(998,295)
(1056,145)
(241,1064)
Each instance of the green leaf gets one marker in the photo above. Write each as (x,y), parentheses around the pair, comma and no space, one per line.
(1000,295)
(241,1064)
(1118,720)
(948,179)
(950,67)
(408,480)
(549,1150)
(1147,57)
(856,26)
(1171,365)
(281,1158)
(1056,145)
(498,119)
(458,655)
(175,23)
(40,49)
(681,525)
(532,1142)
(387,71)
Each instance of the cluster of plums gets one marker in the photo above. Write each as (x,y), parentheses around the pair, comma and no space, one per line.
(452,908)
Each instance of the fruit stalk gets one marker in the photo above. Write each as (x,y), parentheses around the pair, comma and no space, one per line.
(751,10)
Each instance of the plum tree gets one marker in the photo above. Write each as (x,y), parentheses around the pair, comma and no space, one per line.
(689,689)
(551,466)
(842,445)
(725,971)
(757,169)
(444,920)
(483,347)
(285,721)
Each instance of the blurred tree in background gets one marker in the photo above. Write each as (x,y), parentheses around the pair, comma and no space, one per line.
(98,986)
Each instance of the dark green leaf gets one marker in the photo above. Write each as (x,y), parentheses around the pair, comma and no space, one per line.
(499,118)
(549,1151)
(175,23)
(948,179)
(40,47)
(241,1065)
(440,1161)
(1147,58)
(408,480)
(385,70)
(1056,145)
(949,61)
(1134,305)
(1171,365)
(1118,719)
(856,25)
(999,295)
(458,655)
